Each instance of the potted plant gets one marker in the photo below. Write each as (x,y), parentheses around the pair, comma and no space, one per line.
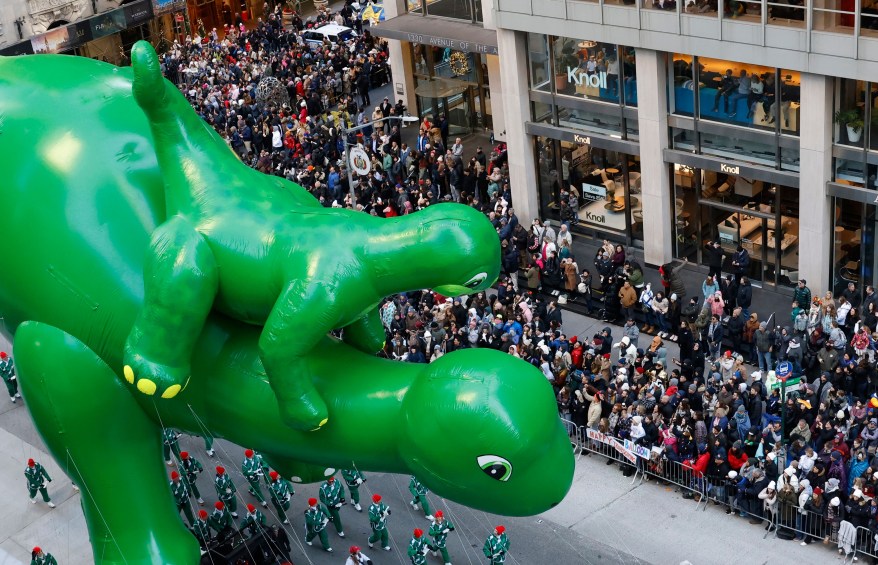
(852,119)
(565,58)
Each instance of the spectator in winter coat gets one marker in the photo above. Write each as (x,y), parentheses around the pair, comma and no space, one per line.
(709,287)
(745,296)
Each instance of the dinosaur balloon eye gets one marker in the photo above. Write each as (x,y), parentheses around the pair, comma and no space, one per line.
(476,280)
(495,467)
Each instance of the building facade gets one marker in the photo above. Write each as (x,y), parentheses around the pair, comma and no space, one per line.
(746,122)
(106,29)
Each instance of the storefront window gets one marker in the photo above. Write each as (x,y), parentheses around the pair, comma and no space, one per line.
(737,211)
(855,100)
(601,188)
(791,14)
(469,10)
(847,260)
(538,61)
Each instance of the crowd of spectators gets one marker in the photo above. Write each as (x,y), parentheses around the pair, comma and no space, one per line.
(715,409)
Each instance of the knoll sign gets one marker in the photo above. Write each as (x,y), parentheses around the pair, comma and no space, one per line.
(597,80)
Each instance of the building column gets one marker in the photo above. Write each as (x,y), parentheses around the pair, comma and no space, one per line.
(400,58)
(512,91)
(815,170)
(652,116)
(498,114)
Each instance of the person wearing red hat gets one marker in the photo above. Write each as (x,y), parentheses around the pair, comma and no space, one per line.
(226,491)
(221,520)
(497,546)
(418,548)
(332,497)
(201,529)
(7,373)
(354,478)
(170,444)
(191,468)
(181,496)
(419,492)
(37,476)
(280,491)
(254,469)
(439,532)
(357,557)
(378,513)
(316,518)
(40,557)
(253,522)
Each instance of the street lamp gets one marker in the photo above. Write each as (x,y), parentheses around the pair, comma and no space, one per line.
(347,131)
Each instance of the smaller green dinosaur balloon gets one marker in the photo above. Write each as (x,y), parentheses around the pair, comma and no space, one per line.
(248,246)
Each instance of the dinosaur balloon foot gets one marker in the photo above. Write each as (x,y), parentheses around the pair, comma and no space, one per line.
(152,378)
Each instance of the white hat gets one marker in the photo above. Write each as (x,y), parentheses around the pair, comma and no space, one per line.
(789,470)
(625,386)
(673,294)
(835,501)
(637,420)
(772,375)
(839,414)
(771,455)
(772,484)
(757,375)
(857,492)
(733,474)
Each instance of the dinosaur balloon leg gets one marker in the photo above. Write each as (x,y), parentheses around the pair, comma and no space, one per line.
(80,430)
(265,253)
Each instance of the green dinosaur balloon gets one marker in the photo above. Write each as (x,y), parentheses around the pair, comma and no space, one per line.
(141,242)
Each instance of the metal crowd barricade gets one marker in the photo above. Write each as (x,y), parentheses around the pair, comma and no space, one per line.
(867,544)
(684,478)
(575,434)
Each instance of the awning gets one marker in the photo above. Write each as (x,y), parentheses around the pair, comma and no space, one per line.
(440,32)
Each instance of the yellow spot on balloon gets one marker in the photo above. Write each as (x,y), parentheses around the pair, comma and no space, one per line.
(146,386)
(129,374)
(322,422)
(189,378)
(172,391)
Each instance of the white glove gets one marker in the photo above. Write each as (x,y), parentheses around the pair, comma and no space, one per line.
(359,481)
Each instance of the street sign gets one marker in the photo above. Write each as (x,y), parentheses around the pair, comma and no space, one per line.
(359,161)
(784,369)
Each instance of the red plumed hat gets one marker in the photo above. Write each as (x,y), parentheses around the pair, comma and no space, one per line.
(251,508)
(248,453)
(202,514)
(418,532)
(500,529)
(376,498)
(312,502)
(219,505)
(273,475)
(184,455)
(220,470)
(175,475)
(30,463)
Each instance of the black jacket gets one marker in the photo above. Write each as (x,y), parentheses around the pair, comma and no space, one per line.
(745,295)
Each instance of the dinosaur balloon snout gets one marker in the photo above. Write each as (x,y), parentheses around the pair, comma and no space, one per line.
(508,452)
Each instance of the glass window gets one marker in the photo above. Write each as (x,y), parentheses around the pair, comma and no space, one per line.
(605,199)
(683,95)
(586,69)
(869,19)
(734,92)
(538,61)
(632,129)
(457,9)
(702,7)
(850,110)
(685,212)
(746,10)
(414,6)
(669,5)
(789,158)
(786,13)
(837,16)
(683,139)
(609,123)
(628,57)
(542,113)
(846,245)
(791,102)
(742,147)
